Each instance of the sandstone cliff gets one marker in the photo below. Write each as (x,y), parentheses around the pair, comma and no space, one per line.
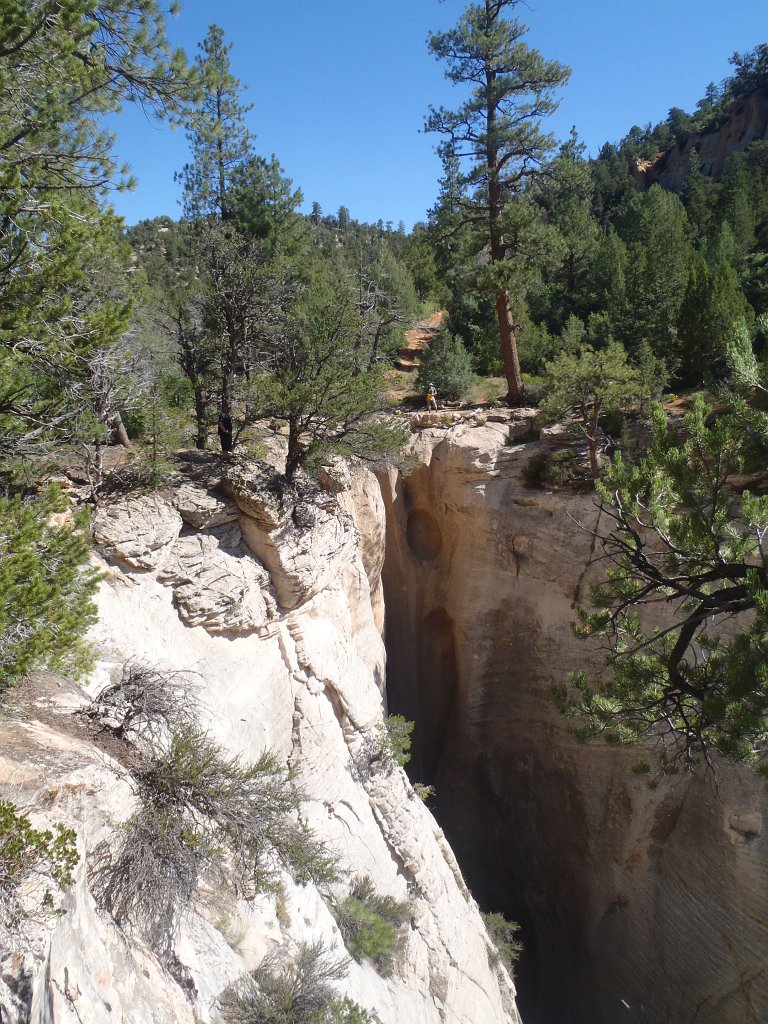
(637,904)
(274,605)
(634,901)
(747,124)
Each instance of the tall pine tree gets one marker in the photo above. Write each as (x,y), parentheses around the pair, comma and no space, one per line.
(496,133)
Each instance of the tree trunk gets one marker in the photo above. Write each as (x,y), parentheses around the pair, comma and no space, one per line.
(293,459)
(508,335)
(229,361)
(227,383)
(119,433)
(201,437)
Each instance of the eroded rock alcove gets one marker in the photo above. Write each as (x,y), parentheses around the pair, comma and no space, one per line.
(637,904)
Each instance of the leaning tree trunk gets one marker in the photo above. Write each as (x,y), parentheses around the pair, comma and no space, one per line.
(508,336)
(119,435)
(201,418)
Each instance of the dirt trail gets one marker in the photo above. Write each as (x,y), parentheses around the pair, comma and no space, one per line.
(418,338)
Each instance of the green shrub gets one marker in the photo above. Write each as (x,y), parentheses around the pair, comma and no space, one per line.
(423,791)
(200,807)
(291,990)
(371,925)
(46,592)
(555,469)
(387,747)
(395,736)
(506,947)
(135,422)
(26,853)
(447,365)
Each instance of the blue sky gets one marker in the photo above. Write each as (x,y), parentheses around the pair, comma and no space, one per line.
(340,88)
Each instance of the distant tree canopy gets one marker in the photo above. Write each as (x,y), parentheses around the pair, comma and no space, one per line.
(663,275)
(272,313)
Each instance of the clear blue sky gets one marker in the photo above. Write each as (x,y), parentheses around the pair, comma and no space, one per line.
(340,87)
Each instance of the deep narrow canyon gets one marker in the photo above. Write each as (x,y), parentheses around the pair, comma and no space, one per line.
(638,904)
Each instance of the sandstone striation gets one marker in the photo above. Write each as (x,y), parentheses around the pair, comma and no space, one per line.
(747,124)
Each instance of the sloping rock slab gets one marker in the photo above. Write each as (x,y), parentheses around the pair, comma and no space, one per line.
(218,584)
(137,532)
(302,559)
(202,509)
(303,539)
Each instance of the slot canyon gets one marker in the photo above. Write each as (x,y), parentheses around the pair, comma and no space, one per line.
(637,904)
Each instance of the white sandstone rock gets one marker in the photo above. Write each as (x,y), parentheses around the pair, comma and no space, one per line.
(310,688)
(137,532)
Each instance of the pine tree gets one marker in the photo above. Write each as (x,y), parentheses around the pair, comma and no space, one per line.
(62,66)
(497,133)
(566,195)
(712,303)
(656,231)
(681,539)
(216,129)
(46,593)
(699,197)
(590,384)
(321,379)
(231,259)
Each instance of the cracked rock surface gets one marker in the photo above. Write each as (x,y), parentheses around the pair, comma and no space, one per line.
(277,621)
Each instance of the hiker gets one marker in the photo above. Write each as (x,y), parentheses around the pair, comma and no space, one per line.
(431,398)
(225,431)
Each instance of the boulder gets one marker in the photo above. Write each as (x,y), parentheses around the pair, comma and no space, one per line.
(201,508)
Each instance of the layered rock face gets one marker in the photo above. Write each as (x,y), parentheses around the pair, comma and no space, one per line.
(637,904)
(748,124)
(273,605)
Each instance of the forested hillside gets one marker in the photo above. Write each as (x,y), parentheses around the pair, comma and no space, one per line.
(663,274)
(114,334)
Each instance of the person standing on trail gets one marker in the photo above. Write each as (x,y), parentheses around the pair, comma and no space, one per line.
(431,398)
(225,430)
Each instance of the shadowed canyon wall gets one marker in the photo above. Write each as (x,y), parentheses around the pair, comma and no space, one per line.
(637,904)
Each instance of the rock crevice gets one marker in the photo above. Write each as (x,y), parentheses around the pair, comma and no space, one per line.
(627,895)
